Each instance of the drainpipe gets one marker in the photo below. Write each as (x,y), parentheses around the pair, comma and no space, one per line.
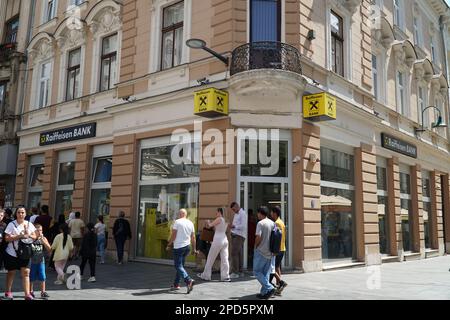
(445,41)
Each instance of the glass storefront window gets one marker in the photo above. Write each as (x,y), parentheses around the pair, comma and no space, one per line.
(36,175)
(381,179)
(383,223)
(34,199)
(336,166)
(426,223)
(337,223)
(66,173)
(102,170)
(406,226)
(426,192)
(251,163)
(63,203)
(100,204)
(156,163)
(405,183)
(158,209)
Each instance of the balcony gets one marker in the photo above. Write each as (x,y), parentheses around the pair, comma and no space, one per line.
(265,55)
(6,50)
(266,77)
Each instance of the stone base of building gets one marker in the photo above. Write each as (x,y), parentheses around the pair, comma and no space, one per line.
(312,266)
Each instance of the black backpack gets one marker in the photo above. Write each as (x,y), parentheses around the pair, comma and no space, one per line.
(24,250)
(275,240)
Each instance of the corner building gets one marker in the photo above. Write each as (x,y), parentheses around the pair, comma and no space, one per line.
(368,187)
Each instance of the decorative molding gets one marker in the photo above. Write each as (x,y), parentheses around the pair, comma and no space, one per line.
(107,20)
(43,50)
(71,38)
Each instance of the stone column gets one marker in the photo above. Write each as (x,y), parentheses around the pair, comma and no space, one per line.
(312,256)
(417,228)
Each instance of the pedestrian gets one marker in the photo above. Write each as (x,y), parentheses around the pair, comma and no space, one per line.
(183,235)
(88,250)
(71,216)
(281,284)
(45,220)
(37,270)
(219,245)
(121,232)
(8,216)
(262,255)
(76,227)
(238,236)
(53,232)
(19,233)
(3,242)
(34,215)
(62,247)
(100,229)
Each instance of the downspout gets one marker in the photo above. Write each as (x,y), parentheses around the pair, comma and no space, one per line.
(445,39)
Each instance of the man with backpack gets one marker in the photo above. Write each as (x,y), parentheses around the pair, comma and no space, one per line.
(121,232)
(262,255)
(278,258)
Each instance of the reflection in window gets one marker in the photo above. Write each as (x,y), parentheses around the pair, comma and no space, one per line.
(102,170)
(406,224)
(251,162)
(63,203)
(426,222)
(34,199)
(66,173)
(383,224)
(36,175)
(426,188)
(108,71)
(100,204)
(381,179)
(157,163)
(336,166)
(405,183)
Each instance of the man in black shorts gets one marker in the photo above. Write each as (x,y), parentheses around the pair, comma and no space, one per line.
(275,215)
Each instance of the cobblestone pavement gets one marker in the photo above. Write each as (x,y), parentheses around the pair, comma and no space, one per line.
(423,279)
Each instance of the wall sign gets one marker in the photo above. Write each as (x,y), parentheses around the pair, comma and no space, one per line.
(397,145)
(319,107)
(211,103)
(83,131)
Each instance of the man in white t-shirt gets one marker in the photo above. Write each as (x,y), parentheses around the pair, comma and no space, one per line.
(183,234)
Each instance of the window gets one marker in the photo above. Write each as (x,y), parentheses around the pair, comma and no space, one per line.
(12,26)
(2,97)
(433,50)
(376,87)
(49,10)
(172,36)
(401,93)
(101,188)
(35,181)
(417,31)
(337,44)
(398,13)
(73,74)
(44,85)
(406,209)
(422,104)
(75,2)
(108,71)
(382,209)
(265,20)
(65,182)
(426,198)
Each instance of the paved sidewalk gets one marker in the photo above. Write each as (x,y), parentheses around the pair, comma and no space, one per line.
(423,279)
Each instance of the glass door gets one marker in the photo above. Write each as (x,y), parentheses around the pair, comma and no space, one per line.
(269,194)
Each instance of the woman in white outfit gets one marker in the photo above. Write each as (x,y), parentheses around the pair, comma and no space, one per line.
(219,245)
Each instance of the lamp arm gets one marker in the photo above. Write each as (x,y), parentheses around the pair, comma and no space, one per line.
(423,112)
(217,55)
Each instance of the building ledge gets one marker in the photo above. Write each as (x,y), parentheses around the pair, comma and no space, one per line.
(431,253)
(411,256)
(388,259)
(343,265)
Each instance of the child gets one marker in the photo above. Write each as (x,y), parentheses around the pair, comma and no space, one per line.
(37,270)
(89,250)
(62,246)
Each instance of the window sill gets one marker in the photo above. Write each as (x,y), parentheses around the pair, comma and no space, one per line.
(388,259)
(48,24)
(411,256)
(343,265)
(82,6)
(431,253)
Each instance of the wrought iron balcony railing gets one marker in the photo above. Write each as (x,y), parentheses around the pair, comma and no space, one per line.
(265,55)
(6,50)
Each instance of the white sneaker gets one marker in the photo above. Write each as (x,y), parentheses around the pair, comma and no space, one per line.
(59,282)
(234,275)
(3,271)
(91,279)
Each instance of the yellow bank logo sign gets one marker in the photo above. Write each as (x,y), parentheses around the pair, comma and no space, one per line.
(211,103)
(319,107)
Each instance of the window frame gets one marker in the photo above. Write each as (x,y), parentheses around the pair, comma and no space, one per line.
(173,28)
(376,77)
(279,20)
(417,28)
(397,14)
(69,70)
(401,93)
(49,15)
(108,56)
(335,38)
(9,31)
(47,82)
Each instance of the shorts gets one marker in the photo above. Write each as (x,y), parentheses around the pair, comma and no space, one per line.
(278,259)
(14,263)
(37,272)
(272,265)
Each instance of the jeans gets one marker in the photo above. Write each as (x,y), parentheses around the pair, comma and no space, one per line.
(101,239)
(261,270)
(179,258)
(120,243)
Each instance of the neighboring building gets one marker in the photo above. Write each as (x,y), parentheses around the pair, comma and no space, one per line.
(15,18)
(347,195)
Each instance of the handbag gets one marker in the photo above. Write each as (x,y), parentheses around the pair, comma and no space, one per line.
(24,250)
(207,234)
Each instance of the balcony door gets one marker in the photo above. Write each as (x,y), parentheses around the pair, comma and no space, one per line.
(265,20)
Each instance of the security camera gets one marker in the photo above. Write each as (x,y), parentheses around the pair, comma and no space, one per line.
(203,81)
(129,99)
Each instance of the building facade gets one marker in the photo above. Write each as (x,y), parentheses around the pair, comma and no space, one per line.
(113,85)
(14,34)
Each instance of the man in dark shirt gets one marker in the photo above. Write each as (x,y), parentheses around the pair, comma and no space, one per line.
(44,220)
(121,232)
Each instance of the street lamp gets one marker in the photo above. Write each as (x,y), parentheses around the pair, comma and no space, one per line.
(439,123)
(201,44)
